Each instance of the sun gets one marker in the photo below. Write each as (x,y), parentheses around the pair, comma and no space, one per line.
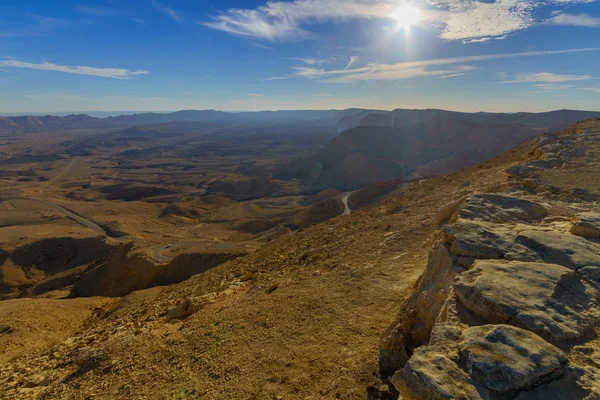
(406,15)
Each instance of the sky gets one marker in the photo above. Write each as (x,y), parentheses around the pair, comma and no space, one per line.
(234,55)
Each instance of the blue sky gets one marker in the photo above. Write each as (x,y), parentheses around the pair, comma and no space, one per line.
(108,55)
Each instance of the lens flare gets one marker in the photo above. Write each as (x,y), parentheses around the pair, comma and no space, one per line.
(406,16)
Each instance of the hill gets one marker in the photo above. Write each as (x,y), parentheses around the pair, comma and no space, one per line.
(409,144)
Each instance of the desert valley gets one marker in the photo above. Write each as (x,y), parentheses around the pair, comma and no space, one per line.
(300,200)
(265,255)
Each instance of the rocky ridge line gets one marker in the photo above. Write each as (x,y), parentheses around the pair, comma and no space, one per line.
(508,306)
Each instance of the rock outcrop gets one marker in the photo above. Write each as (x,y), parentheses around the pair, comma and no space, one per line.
(510,293)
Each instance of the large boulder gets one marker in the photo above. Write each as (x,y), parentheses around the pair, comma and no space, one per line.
(433,375)
(547,299)
(483,362)
(505,359)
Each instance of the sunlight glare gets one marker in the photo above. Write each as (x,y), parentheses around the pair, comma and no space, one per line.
(407,15)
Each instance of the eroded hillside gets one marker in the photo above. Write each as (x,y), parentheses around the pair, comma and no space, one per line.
(508,305)
(302,316)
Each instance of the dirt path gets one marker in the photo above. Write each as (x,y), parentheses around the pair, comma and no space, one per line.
(56,177)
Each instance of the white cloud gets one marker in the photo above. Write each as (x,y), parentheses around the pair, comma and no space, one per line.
(452,75)
(548,77)
(312,61)
(472,21)
(595,90)
(115,73)
(351,62)
(411,69)
(176,16)
(583,20)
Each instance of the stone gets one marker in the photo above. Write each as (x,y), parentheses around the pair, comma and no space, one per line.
(501,208)
(446,212)
(181,311)
(431,375)
(587,225)
(506,359)
(477,239)
(37,380)
(547,299)
(577,383)
(564,249)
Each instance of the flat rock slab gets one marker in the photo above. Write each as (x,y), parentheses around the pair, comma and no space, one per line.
(501,208)
(504,358)
(560,248)
(587,225)
(430,374)
(478,239)
(550,300)
(486,362)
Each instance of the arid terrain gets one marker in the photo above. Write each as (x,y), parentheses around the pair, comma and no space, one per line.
(168,261)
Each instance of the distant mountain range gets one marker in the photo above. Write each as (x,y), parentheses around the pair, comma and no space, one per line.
(327,119)
(406,144)
(338,120)
(367,146)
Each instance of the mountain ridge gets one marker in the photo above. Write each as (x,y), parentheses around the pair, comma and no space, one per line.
(341,119)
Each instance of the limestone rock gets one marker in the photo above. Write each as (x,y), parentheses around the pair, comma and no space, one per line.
(479,239)
(547,299)
(447,211)
(587,225)
(419,312)
(431,375)
(505,359)
(577,383)
(564,249)
(182,310)
(501,208)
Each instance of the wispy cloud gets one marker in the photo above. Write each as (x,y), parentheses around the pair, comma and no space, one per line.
(41,25)
(452,75)
(351,62)
(138,20)
(261,46)
(96,11)
(311,60)
(411,69)
(171,13)
(471,21)
(548,77)
(582,20)
(115,73)
(552,86)
(591,89)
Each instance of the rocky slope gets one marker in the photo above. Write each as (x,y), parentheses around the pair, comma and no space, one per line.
(508,306)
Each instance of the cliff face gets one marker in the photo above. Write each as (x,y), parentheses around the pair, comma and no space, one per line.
(509,304)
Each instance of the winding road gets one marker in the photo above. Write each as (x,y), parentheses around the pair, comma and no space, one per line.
(344,198)
(157,252)
(69,214)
